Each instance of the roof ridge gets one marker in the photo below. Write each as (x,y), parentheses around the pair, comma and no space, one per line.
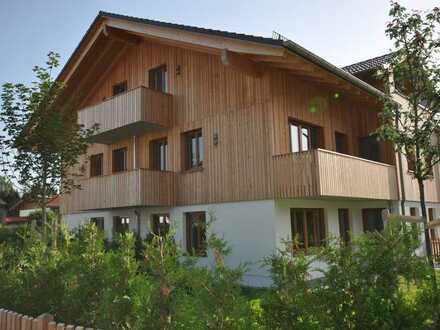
(191,28)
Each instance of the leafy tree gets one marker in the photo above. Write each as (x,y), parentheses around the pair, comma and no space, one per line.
(7,192)
(43,141)
(414,127)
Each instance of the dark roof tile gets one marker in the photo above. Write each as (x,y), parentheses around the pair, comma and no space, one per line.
(367,65)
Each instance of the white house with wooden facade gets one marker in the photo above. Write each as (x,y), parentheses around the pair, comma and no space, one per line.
(267,137)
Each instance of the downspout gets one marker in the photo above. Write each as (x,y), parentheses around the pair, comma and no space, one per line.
(401,179)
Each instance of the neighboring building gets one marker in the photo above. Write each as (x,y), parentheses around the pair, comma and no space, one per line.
(25,206)
(270,139)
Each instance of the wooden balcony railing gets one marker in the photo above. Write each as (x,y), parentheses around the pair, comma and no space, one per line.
(131,113)
(323,173)
(139,187)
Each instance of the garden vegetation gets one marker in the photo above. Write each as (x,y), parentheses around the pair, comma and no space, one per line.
(376,282)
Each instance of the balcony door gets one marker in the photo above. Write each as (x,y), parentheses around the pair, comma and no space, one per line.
(369,148)
(304,137)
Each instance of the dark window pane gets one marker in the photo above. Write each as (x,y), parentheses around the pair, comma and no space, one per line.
(196,233)
(119,88)
(158,79)
(344,225)
(158,154)
(121,224)
(120,160)
(161,224)
(369,148)
(194,149)
(372,220)
(308,227)
(96,164)
(98,222)
(341,143)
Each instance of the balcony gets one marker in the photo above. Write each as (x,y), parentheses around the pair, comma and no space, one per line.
(139,187)
(135,112)
(323,173)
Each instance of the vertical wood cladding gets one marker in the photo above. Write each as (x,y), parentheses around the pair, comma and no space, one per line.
(250,116)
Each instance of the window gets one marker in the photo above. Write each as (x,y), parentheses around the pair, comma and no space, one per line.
(120,160)
(120,88)
(369,148)
(431,218)
(160,224)
(158,79)
(96,162)
(372,220)
(411,160)
(193,142)
(308,227)
(158,154)
(344,225)
(121,224)
(196,233)
(98,222)
(303,137)
(341,143)
(413,211)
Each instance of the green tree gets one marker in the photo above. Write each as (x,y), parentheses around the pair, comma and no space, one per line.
(7,192)
(43,141)
(413,125)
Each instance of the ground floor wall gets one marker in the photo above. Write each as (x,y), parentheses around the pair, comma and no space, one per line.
(254,229)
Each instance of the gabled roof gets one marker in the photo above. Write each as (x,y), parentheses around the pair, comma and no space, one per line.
(279,52)
(368,65)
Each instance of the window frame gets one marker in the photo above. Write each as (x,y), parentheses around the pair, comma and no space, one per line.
(295,228)
(313,133)
(119,88)
(125,161)
(152,81)
(188,152)
(156,164)
(201,249)
(94,158)
(125,225)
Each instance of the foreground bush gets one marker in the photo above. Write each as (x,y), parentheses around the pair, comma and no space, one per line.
(375,283)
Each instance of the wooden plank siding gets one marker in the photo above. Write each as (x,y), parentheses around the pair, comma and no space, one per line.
(323,173)
(250,117)
(129,110)
(130,188)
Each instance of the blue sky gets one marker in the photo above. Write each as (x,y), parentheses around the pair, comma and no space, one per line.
(342,31)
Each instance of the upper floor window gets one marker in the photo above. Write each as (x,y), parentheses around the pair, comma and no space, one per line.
(194,153)
(341,143)
(160,224)
(158,79)
(369,148)
(372,220)
(96,164)
(196,233)
(308,227)
(120,88)
(303,137)
(120,160)
(158,154)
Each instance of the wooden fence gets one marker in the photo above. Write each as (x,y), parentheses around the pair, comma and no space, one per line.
(13,321)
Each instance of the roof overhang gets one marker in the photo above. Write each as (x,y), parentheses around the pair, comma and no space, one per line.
(110,35)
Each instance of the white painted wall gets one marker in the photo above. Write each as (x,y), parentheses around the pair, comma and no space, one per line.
(253,229)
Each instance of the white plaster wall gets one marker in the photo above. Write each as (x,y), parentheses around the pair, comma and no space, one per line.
(249,229)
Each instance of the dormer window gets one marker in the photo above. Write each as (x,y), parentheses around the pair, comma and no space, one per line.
(158,79)
(120,88)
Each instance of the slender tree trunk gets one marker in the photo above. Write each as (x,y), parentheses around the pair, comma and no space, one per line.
(428,245)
